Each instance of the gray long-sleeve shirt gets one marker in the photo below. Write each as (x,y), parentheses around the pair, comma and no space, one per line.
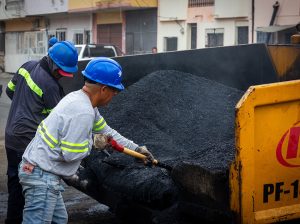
(64,138)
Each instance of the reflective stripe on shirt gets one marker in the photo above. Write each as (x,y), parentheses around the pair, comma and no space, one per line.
(11,86)
(75,147)
(46,111)
(31,84)
(99,125)
(47,137)
(64,145)
(34,87)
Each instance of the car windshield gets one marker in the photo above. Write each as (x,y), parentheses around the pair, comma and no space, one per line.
(101,51)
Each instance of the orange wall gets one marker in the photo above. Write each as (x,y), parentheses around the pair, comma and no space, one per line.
(80,5)
(109,17)
(25,24)
(200,14)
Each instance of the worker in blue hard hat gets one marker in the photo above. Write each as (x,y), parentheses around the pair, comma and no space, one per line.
(34,91)
(52,41)
(64,138)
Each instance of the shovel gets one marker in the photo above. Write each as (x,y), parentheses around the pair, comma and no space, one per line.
(137,155)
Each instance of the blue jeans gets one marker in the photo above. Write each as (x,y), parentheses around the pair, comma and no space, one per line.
(43,199)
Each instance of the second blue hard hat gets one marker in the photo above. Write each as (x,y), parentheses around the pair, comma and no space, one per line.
(52,41)
(105,71)
(64,55)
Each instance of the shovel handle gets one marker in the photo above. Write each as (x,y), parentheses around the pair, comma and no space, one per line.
(129,152)
(137,155)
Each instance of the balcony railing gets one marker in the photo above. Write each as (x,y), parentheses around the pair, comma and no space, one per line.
(201,3)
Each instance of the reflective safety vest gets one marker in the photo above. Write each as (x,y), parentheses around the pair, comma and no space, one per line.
(34,93)
(64,138)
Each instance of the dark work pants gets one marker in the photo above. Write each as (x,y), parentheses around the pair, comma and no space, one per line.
(16,200)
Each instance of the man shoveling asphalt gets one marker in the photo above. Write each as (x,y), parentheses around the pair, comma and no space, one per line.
(64,138)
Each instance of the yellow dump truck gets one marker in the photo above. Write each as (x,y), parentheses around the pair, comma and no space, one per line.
(264,176)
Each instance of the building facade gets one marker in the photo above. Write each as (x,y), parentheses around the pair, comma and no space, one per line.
(26,26)
(26,29)
(128,24)
(202,23)
(136,26)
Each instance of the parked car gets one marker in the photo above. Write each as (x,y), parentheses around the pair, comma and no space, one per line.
(88,51)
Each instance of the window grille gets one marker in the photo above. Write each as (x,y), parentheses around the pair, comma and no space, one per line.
(214,37)
(61,34)
(78,38)
(242,35)
(170,43)
(193,35)
(201,3)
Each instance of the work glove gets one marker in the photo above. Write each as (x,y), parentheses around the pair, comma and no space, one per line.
(101,141)
(143,150)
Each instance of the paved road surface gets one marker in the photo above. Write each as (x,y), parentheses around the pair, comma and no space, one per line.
(81,208)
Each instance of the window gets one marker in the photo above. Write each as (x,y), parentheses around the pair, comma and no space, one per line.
(242,35)
(40,47)
(261,37)
(61,34)
(193,35)
(31,43)
(214,37)
(103,51)
(170,43)
(78,38)
(287,38)
(21,43)
(201,3)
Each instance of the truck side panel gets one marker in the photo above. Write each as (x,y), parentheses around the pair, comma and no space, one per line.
(265,174)
(235,66)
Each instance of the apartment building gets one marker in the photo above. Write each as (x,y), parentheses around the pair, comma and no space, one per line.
(202,23)
(129,24)
(26,28)
(28,24)
(135,26)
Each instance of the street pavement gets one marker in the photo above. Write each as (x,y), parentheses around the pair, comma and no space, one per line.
(80,207)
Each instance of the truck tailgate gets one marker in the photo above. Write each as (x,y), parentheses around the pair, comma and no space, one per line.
(264,178)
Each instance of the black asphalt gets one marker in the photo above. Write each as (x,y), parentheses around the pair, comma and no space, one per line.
(180,117)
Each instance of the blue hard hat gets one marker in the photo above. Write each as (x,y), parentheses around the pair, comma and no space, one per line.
(65,56)
(52,41)
(105,71)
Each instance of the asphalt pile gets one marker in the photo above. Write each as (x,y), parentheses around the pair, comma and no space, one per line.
(180,117)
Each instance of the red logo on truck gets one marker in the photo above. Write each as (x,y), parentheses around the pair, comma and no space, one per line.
(287,156)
